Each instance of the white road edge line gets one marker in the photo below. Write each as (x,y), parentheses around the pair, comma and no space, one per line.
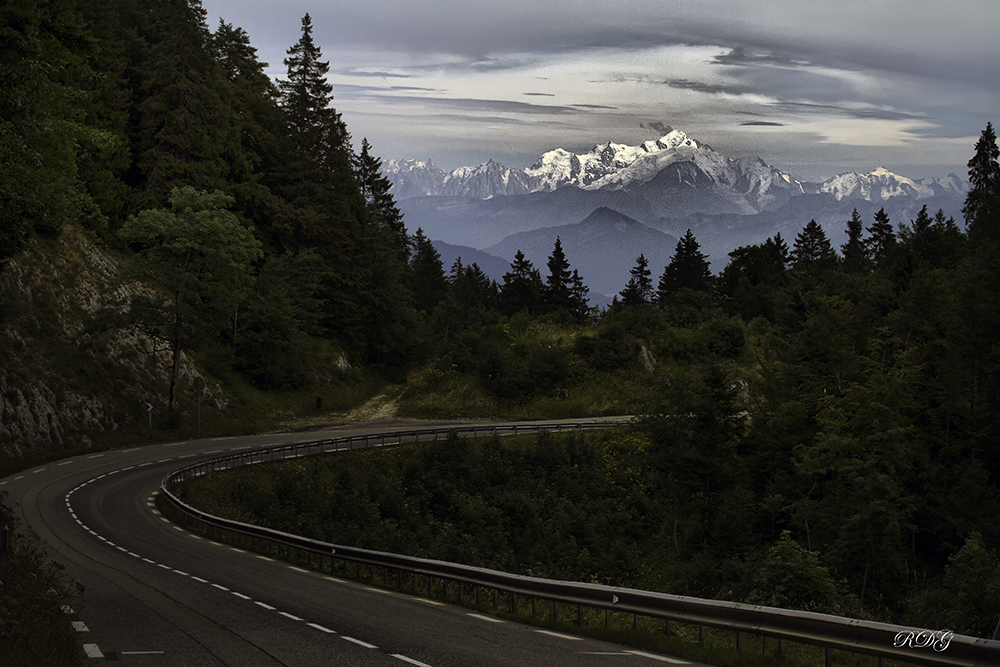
(358,642)
(559,635)
(321,628)
(484,618)
(409,660)
(661,658)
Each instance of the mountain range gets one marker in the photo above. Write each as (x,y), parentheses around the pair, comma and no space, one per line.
(665,186)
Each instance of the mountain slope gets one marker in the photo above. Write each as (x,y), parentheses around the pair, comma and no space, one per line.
(602,247)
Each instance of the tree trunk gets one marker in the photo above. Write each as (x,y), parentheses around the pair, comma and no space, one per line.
(175,374)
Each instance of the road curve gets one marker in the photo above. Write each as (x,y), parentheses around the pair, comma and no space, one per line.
(158,595)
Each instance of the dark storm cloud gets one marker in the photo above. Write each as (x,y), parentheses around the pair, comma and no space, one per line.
(761,123)
(712,88)
(864,113)
(740,56)
(385,95)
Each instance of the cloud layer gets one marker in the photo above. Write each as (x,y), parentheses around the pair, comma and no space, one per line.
(813,87)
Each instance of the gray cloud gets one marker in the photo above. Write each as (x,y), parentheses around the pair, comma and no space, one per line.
(925,68)
(383,75)
(873,113)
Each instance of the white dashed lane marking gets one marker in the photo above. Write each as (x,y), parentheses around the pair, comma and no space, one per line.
(661,658)
(484,618)
(93,651)
(410,660)
(559,635)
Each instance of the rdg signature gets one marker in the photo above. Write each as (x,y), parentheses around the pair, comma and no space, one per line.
(938,640)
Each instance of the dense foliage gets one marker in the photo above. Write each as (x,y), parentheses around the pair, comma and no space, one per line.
(35,630)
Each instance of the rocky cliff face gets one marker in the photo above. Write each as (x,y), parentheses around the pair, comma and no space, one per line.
(65,374)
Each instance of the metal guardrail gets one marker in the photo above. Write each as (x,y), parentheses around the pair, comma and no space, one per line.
(831,632)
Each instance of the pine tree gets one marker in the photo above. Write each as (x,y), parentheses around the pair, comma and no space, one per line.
(558,286)
(982,203)
(812,249)
(317,127)
(522,287)
(427,280)
(579,306)
(854,251)
(639,289)
(688,268)
(182,128)
(375,188)
(470,287)
(881,238)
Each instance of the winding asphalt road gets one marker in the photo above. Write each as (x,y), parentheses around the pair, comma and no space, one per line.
(158,595)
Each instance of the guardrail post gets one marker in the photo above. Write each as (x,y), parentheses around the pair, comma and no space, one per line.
(829,657)
(478,587)
(701,633)
(461,591)
(667,631)
(739,640)
(496,598)
(607,619)
(781,646)
(534,607)
(555,610)
(881,662)
(635,621)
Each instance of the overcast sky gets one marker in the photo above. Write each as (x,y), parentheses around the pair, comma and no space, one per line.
(814,87)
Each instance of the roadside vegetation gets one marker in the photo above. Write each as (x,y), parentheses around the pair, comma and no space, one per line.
(35,625)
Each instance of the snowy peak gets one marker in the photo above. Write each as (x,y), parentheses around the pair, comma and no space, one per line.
(412,178)
(881,185)
(596,168)
(487,180)
(674,165)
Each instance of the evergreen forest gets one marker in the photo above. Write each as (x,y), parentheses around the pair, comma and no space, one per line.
(816,427)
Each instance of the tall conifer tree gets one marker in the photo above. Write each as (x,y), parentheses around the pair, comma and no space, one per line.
(982,203)
(854,251)
(688,268)
(812,248)
(639,289)
(522,287)
(306,97)
(881,238)
(376,190)
(558,284)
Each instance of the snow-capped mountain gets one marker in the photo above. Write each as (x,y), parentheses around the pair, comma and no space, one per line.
(670,185)
(620,166)
(882,185)
(675,160)
(411,178)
